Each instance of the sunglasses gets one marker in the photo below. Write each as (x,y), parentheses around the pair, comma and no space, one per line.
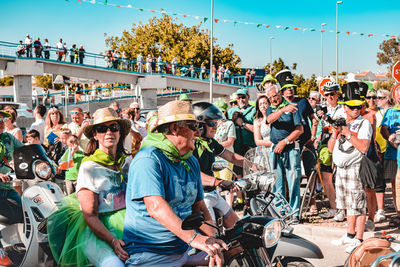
(74,112)
(102,128)
(241,96)
(330,94)
(193,126)
(211,124)
(355,107)
(381,97)
(314,99)
(371,97)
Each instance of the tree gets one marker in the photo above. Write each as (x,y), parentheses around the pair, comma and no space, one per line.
(7,81)
(161,36)
(390,52)
(45,81)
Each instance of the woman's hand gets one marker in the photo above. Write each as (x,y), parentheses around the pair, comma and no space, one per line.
(117,245)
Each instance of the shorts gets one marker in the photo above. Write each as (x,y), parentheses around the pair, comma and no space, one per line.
(214,200)
(389,169)
(350,193)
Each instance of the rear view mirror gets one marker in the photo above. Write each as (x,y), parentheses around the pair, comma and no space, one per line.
(193,221)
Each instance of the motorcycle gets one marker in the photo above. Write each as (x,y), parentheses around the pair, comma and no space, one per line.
(257,184)
(26,243)
(254,234)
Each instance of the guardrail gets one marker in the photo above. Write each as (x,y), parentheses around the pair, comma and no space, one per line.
(68,56)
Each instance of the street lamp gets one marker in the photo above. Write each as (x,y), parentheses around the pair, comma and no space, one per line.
(270,53)
(322,52)
(337,37)
(211,53)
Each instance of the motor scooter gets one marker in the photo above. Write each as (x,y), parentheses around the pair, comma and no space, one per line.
(26,243)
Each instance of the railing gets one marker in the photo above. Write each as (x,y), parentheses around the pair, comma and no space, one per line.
(68,56)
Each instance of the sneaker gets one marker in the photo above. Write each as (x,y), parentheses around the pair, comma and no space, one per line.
(380,216)
(355,243)
(4,259)
(329,214)
(340,216)
(344,240)
(369,225)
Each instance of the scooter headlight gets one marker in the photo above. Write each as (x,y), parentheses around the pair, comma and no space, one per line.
(271,233)
(42,169)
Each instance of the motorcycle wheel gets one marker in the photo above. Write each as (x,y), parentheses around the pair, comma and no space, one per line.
(295,262)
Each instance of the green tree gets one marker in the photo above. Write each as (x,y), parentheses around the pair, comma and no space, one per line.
(390,52)
(161,36)
(7,81)
(45,81)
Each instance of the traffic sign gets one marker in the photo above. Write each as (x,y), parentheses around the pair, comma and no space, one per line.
(321,85)
(396,87)
(396,71)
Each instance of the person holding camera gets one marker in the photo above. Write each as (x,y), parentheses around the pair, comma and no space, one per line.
(76,126)
(348,145)
(329,114)
(243,116)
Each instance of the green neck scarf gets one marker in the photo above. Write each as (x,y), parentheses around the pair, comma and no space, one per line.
(281,105)
(202,144)
(103,158)
(160,141)
(396,107)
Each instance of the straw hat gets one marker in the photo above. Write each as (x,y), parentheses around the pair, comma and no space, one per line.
(174,111)
(103,115)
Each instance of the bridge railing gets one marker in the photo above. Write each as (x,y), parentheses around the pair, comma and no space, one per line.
(68,56)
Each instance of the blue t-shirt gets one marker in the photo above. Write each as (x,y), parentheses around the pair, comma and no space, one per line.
(285,125)
(391,119)
(152,173)
(305,110)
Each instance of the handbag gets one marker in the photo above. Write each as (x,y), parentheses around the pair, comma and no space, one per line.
(370,168)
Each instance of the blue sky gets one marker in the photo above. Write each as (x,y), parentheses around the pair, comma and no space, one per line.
(86,24)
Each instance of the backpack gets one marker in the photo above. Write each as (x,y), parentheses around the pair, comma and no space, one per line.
(366,253)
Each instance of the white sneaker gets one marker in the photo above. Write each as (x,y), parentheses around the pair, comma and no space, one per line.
(340,216)
(344,240)
(369,225)
(380,216)
(355,243)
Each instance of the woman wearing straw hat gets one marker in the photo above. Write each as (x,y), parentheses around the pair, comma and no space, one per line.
(164,187)
(95,216)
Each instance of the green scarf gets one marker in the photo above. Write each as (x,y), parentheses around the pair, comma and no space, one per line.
(202,144)
(103,158)
(160,141)
(282,105)
(396,107)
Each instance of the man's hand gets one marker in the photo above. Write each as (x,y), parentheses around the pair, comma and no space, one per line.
(224,184)
(280,147)
(117,245)
(85,123)
(290,108)
(392,140)
(238,121)
(344,131)
(212,246)
(4,178)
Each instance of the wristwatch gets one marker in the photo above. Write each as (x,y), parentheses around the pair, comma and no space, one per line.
(287,141)
(243,124)
(349,137)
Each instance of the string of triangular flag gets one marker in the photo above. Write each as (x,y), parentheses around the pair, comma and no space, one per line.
(235,22)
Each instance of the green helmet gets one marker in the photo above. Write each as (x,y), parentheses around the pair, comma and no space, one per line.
(221,104)
(268,78)
(184,97)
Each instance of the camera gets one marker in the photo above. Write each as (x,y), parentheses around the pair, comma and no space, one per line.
(336,123)
(322,107)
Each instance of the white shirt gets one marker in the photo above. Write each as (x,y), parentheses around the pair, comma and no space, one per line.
(39,125)
(28,41)
(59,46)
(75,129)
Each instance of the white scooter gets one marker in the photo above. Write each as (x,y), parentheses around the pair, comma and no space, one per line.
(26,243)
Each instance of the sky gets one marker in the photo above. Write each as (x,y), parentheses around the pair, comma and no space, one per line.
(86,24)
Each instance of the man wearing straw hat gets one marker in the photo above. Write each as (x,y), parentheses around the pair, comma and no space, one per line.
(164,187)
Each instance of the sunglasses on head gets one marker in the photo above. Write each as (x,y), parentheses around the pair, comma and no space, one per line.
(74,112)
(211,123)
(330,94)
(371,97)
(354,107)
(241,96)
(194,126)
(102,128)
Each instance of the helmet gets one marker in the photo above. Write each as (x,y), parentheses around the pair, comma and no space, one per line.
(331,86)
(205,111)
(221,104)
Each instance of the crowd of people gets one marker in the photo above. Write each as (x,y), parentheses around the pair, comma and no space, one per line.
(103,160)
(76,55)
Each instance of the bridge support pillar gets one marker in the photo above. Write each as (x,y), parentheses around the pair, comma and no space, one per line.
(149,98)
(23,89)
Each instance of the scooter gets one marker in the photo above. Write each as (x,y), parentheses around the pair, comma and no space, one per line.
(26,243)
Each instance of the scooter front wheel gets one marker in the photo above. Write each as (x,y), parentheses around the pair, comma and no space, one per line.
(295,262)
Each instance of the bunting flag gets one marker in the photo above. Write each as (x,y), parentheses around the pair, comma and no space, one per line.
(235,22)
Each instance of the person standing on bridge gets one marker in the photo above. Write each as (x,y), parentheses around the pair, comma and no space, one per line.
(72,52)
(81,54)
(46,49)
(139,62)
(60,50)
(149,60)
(159,64)
(28,44)
(38,47)
(174,66)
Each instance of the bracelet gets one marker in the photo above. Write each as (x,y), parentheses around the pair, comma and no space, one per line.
(112,241)
(193,237)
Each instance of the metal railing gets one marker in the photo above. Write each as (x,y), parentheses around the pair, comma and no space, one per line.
(74,57)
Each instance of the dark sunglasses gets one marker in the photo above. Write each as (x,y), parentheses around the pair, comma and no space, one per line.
(211,124)
(102,128)
(193,126)
(381,97)
(371,96)
(310,98)
(355,107)
(330,94)
(241,96)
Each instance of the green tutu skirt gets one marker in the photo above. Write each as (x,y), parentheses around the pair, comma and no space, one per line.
(72,242)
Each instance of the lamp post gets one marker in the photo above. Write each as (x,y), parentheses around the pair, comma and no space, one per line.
(337,38)
(211,53)
(270,53)
(322,51)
